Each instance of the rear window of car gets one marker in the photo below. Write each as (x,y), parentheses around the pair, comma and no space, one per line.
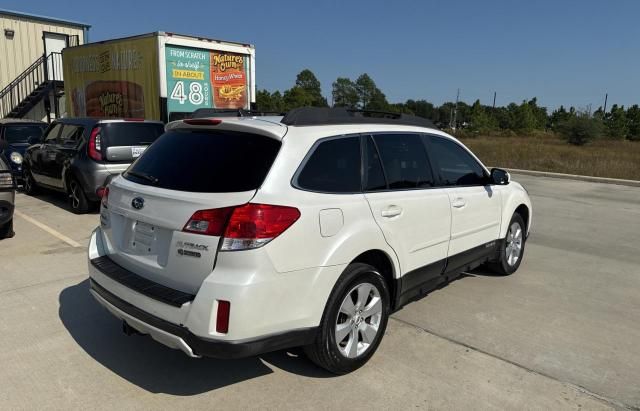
(21,133)
(206,162)
(130,134)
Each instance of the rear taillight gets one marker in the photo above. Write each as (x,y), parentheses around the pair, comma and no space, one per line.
(95,144)
(244,227)
(209,222)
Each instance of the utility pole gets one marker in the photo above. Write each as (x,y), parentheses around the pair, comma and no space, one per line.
(494,99)
(606,96)
(455,112)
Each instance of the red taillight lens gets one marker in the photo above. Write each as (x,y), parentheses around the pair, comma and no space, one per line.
(95,143)
(209,222)
(103,193)
(243,227)
(222,317)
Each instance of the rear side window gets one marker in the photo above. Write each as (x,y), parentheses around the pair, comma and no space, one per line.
(205,162)
(405,161)
(333,167)
(71,134)
(130,134)
(21,133)
(455,165)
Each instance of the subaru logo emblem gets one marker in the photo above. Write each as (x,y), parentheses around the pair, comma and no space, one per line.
(137,203)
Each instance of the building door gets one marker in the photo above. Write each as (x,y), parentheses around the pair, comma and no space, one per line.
(53,45)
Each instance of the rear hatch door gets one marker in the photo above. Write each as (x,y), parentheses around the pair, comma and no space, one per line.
(184,171)
(124,141)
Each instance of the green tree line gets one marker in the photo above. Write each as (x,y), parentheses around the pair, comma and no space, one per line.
(578,126)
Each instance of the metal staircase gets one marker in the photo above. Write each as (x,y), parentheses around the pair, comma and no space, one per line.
(33,85)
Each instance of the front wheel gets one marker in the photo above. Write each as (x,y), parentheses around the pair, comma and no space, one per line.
(353,322)
(29,185)
(512,248)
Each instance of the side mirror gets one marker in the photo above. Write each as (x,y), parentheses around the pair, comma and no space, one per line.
(34,140)
(500,177)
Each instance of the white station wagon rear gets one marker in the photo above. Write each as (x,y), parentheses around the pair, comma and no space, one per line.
(231,237)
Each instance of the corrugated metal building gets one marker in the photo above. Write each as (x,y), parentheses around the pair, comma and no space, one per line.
(31,75)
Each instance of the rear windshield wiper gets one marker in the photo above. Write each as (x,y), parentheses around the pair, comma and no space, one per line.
(144,176)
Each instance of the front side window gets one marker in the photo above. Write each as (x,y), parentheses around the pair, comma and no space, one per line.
(333,167)
(456,166)
(53,133)
(405,161)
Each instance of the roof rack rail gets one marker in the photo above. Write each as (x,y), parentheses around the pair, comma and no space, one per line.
(231,112)
(316,116)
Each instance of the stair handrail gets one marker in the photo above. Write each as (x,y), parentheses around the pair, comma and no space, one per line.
(23,75)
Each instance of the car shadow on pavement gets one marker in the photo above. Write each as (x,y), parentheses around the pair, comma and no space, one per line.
(156,368)
(60,200)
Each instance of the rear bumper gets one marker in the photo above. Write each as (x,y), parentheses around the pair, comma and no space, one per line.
(179,337)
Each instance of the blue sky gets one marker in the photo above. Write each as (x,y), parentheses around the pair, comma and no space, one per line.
(567,52)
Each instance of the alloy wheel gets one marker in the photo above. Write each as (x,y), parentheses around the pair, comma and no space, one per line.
(513,247)
(358,320)
(75,195)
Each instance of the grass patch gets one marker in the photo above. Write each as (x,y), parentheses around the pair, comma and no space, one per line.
(601,158)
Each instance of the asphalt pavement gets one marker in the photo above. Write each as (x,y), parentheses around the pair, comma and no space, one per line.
(561,333)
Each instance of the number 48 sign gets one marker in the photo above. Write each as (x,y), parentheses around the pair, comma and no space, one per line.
(195,95)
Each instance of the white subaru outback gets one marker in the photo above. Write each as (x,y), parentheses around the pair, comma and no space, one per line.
(231,237)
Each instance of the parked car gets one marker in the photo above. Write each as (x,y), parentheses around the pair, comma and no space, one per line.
(232,237)
(76,155)
(7,194)
(17,132)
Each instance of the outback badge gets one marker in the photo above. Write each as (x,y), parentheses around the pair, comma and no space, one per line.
(137,203)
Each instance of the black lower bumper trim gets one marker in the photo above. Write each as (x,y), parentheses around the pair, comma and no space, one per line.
(209,348)
(142,285)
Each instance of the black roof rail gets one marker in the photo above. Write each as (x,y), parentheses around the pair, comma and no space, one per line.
(231,112)
(317,116)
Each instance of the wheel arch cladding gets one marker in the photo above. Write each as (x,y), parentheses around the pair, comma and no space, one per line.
(523,210)
(383,263)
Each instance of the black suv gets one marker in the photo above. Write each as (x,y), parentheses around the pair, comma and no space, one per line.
(76,155)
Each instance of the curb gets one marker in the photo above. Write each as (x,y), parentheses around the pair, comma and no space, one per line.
(591,179)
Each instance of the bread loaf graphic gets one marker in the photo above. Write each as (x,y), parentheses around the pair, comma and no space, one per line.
(114,98)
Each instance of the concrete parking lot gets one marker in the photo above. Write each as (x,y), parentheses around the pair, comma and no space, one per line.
(561,333)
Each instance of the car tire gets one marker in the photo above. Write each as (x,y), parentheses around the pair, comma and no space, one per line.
(354,321)
(77,198)
(6,230)
(29,185)
(511,249)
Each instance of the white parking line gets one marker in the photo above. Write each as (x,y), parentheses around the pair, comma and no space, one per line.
(48,229)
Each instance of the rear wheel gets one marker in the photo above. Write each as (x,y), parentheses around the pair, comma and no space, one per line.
(354,321)
(6,230)
(77,198)
(512,248)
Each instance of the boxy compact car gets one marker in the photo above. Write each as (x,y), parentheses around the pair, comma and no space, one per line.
(76,155)
(232,237)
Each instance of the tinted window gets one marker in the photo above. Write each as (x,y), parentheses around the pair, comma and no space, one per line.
(21,133)
(70,133)
(52,134)
(374,176)
(405,160)
(130,134)
(333,167)
(206,162)
(455,165)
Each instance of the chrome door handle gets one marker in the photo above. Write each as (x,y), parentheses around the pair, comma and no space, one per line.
(391,211)
(458,203)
